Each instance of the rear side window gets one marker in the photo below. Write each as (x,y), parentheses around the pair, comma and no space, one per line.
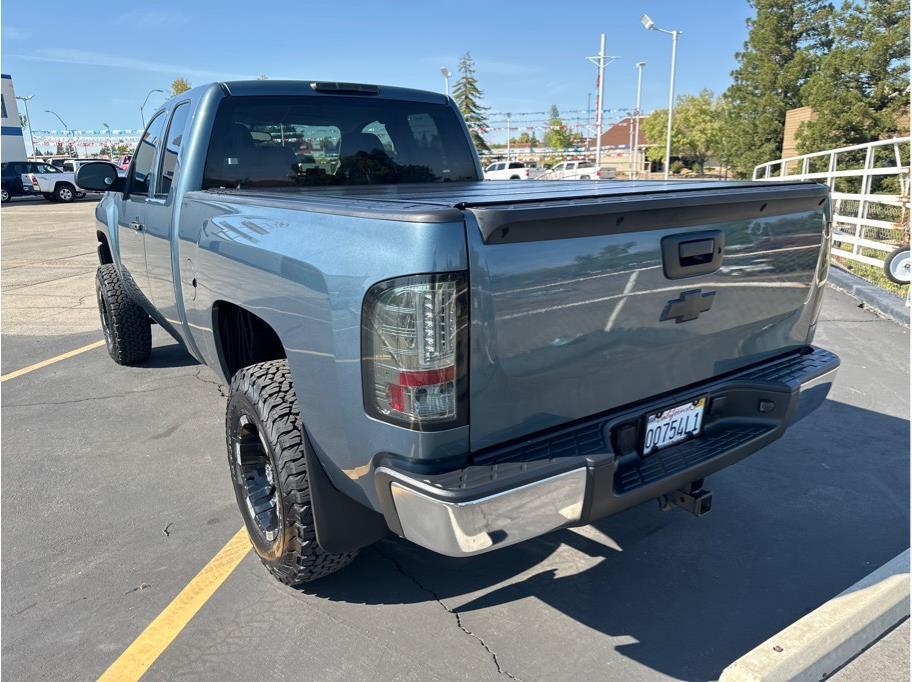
(173,141)
(312,141)
(517,165)
(146,150)
(586,164)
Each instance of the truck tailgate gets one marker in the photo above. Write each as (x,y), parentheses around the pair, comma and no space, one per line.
(577,309)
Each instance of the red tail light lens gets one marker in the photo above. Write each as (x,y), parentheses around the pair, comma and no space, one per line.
(414,351)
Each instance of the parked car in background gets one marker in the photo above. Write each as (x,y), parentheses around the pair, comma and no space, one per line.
(12,180)
(511,170)
(124,161)
(53,183)
(578,170)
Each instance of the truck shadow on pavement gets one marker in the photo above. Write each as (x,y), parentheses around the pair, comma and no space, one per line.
(172,355)
(791,527)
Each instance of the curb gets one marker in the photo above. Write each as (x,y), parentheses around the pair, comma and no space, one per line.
(824,640)
(884,304)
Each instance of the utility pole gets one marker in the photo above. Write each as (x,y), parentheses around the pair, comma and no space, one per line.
(508,137)
(600,61)
(635,149)
(28,119)
(446,73)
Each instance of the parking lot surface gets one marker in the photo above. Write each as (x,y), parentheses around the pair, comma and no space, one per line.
(116,493)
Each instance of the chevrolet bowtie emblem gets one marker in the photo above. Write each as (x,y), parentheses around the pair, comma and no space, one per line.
(688,306)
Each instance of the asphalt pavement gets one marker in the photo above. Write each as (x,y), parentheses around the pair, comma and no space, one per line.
(116,493)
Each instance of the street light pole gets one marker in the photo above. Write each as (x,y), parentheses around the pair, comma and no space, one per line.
(142,106)
(445,72)
(28,119)
(636,123)
(110,141)
(600,61)
(649,25)
(66,128)
(508,137)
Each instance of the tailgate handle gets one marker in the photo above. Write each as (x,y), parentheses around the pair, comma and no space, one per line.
(692,253)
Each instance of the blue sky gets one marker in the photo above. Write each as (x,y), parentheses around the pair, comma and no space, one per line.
(96,65)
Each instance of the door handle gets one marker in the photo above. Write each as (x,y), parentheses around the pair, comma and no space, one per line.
(692,254)
(136,225)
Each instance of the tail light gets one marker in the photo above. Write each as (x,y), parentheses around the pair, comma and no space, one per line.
(598,173)
(34,181)
(527,172)
(414,351)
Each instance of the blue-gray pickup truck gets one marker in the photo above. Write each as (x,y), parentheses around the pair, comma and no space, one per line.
(467,364)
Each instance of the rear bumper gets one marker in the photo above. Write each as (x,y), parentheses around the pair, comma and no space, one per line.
(594,468)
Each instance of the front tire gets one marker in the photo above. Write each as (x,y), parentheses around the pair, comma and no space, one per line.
(897,266)
(4,195)
(126,326)
(266,453)
(64,192)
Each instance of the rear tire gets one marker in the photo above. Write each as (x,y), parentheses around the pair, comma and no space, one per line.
(64,192)
(4,195)
(266,453)
(126,326)
(896,266)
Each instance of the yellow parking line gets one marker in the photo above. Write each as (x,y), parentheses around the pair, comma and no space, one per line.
(141,654)
(51,361)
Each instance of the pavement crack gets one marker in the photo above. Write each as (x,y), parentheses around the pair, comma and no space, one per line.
(218,385)
(455,614)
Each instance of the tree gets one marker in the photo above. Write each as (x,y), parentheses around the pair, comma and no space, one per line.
(559,136)
(467,96)
(262,77)
(179,85)
(859,93)
(786,41)
(696,129)
(524,139)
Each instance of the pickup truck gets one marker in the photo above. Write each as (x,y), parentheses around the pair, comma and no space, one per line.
(578,170)
(467,364)
(511,170)
(54,183)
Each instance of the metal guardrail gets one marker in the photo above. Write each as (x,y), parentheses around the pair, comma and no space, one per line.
(869,185)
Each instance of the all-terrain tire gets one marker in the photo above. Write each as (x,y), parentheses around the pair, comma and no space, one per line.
(126,326)
(266,453)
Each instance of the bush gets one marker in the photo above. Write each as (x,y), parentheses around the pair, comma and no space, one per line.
(675,167)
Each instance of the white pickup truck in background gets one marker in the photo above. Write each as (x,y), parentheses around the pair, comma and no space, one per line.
(578,170)
(52,183)
(511,170)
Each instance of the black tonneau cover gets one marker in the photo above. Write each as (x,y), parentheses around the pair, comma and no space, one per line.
(537,210)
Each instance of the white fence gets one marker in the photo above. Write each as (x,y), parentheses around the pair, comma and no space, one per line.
(869,185)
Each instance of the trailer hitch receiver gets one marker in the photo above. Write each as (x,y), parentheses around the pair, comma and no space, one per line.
(692,497)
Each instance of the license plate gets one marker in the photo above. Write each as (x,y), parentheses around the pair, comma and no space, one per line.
(673,425)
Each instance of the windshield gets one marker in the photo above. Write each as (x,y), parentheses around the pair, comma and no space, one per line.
(335,140)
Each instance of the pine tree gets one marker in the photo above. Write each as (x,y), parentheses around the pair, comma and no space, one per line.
(559,136)
(859,93)
(468,97)
(785,43)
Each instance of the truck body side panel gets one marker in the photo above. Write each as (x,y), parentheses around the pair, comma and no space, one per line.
(306,275)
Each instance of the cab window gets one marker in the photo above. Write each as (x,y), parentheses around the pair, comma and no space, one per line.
(146,151)
(173,141)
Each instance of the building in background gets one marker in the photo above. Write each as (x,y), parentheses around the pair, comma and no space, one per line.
(616,146)
(13,143)
(793,120)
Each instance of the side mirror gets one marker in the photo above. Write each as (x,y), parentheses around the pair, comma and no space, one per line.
(99,176)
